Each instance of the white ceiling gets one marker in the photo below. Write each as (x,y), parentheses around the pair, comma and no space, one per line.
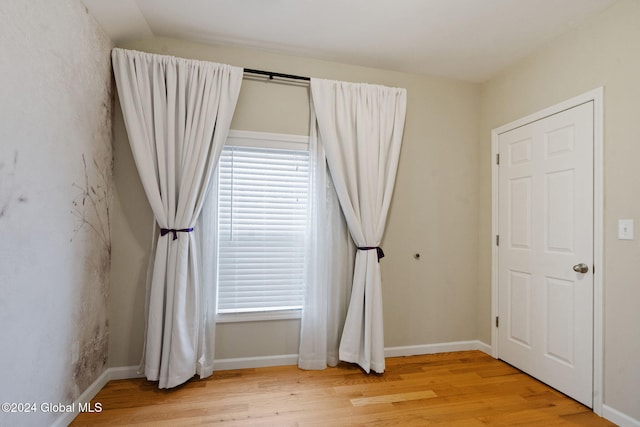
(464,39)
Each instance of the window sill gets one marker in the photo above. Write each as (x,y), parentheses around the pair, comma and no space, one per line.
(258,316)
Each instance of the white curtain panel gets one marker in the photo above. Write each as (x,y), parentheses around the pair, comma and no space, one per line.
(177,113)
(330,258)
(361,127)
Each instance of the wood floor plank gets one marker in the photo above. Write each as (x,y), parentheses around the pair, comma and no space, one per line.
(449,389)
(393,398)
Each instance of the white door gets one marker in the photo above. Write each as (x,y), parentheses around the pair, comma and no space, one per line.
(545,250)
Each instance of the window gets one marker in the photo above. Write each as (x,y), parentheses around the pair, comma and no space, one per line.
(263,187)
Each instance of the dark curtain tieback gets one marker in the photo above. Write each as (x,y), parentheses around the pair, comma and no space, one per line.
(164,231)
(370,248)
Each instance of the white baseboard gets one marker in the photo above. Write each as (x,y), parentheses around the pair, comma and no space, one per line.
(254,362)
(447,347)
(617,417)
(292,359)
(124,373)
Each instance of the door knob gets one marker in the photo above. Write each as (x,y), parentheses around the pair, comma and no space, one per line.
(581,268)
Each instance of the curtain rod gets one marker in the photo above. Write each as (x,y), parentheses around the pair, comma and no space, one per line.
(271,75)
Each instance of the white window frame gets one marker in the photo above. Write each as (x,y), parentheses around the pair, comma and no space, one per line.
(264,140)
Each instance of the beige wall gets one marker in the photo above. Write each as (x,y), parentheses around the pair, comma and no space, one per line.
(604,52)
(55,180)
(433,212)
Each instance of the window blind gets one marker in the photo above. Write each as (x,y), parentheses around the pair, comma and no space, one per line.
(262,221)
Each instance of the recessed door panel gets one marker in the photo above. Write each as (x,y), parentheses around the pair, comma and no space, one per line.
(520,308)
(520,152)
(559,320)
(520,213)
(559,188)
(558,142)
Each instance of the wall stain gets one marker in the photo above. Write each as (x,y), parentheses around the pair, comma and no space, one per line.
(92,358)
(8,186)
(92,206)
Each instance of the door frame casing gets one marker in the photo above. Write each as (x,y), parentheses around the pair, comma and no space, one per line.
(597,96)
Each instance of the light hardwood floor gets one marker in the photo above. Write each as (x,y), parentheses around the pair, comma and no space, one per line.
(448,389)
